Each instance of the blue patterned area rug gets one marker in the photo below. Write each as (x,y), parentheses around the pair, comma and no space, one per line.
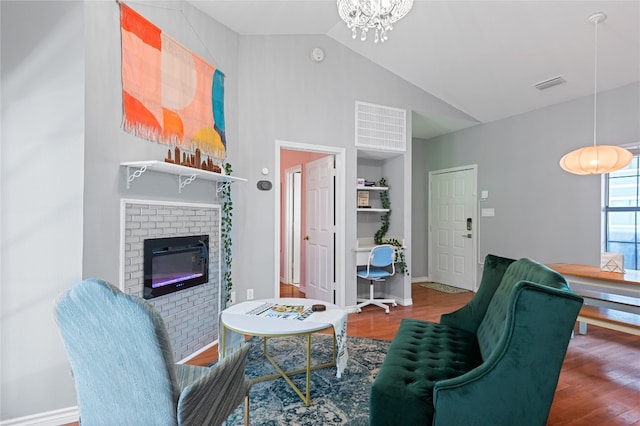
(334,401)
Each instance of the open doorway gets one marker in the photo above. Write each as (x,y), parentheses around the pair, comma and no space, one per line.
(307,225)
(295,240)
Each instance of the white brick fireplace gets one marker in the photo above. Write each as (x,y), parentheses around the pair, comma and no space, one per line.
(191,315)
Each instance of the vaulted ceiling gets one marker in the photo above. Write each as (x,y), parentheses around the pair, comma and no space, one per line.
(482,57)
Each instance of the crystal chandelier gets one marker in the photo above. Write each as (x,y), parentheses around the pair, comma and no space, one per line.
(376,14)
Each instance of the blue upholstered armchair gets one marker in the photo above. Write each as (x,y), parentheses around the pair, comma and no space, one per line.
(124,370)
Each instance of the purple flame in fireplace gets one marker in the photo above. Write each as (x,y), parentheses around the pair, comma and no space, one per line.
(173,264)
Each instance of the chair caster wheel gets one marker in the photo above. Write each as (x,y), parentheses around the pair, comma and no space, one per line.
(395,304)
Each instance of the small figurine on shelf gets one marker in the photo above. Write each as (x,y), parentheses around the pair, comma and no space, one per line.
(168,159)
(198,159)
(195,160)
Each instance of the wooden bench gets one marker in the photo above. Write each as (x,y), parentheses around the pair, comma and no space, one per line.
(609,318)
(611,300)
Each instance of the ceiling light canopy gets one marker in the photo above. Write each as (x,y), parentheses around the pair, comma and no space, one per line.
(596,159)
(372,14)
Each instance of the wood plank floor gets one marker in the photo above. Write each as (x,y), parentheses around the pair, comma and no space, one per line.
(600,379)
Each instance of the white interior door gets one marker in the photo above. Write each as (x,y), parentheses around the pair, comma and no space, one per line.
(320,229)
(452,225)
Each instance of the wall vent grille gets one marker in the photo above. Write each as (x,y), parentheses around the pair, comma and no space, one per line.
(380,127)
(549,83)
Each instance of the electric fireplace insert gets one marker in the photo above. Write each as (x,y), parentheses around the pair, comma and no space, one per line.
(174,264)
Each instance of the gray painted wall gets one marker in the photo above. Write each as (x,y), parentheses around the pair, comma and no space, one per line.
(66,180)
(273,91)
(285,95)
(419,218)
(541,211)
(107,144)
(42,132)
(61,179)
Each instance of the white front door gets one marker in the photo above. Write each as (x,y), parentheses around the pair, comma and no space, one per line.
(452,225)
(320,229)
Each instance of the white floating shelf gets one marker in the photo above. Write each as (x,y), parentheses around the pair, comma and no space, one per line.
(373,210)
(372,188)
(185,174)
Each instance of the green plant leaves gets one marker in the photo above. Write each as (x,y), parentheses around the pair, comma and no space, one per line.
(226,225)
(378,238)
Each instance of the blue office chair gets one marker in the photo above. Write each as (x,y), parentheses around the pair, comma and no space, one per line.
(379,267)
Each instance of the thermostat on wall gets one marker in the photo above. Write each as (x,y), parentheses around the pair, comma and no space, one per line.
(264,185)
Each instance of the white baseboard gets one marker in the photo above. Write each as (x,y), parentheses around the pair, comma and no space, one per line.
(420,279)
(404,302)
(350,309)
(50,418)
(193,355)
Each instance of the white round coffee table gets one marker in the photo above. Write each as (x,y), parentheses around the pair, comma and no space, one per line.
(251,318)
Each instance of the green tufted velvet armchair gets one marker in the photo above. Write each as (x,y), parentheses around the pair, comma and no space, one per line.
(496,361)
(124,370)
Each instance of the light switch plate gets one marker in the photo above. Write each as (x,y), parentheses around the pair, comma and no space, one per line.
(488,211)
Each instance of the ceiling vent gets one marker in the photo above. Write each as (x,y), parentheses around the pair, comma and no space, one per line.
(380,127)
(549,83)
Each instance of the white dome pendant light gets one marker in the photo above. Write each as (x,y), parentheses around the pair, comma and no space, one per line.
(596,159)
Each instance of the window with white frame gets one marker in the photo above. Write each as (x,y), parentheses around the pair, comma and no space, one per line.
(622,213)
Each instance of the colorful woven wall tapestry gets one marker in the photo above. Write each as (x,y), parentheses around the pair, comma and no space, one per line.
(169,94)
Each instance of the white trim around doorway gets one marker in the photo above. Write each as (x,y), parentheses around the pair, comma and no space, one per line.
(340,211)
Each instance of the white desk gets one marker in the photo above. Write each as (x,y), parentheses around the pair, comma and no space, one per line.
(362,255)
(363,248)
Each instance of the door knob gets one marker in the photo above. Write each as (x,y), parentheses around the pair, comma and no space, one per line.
(466,235)
(306,238)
